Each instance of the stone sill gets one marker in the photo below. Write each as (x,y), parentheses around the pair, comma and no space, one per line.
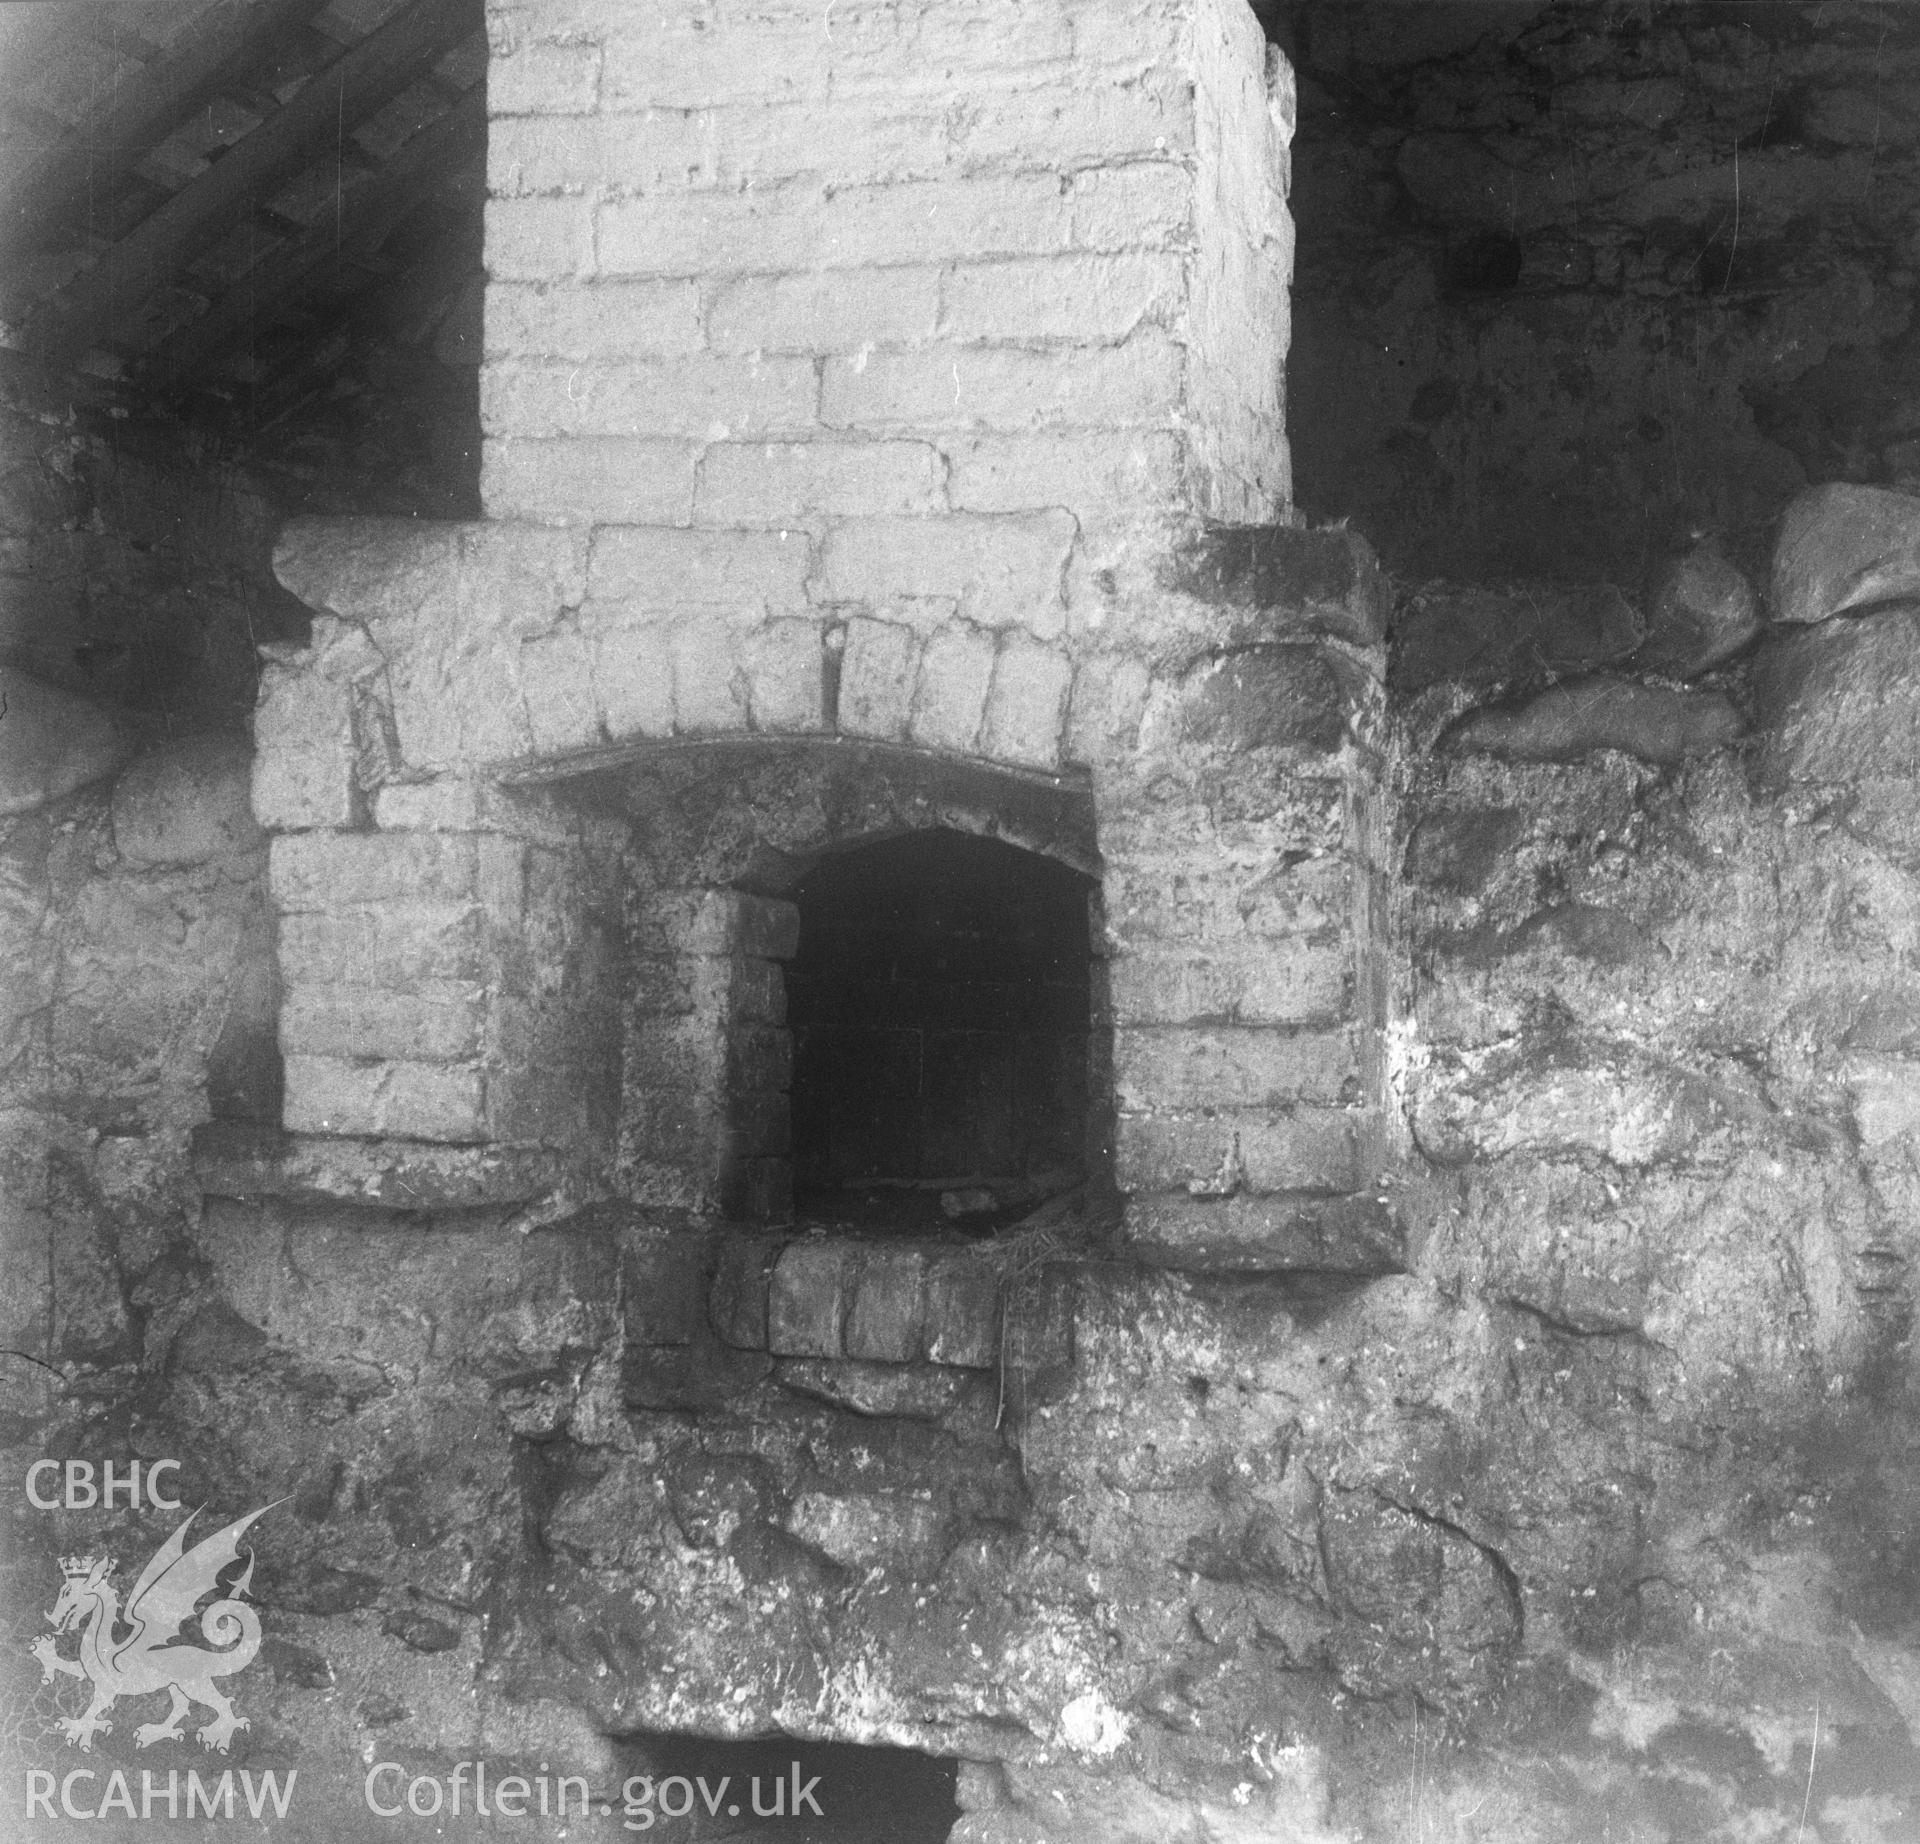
(238,1159)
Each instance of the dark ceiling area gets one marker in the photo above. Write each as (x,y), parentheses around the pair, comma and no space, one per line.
(259,220)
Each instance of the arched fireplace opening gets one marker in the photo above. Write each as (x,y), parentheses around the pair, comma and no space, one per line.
(940,1007)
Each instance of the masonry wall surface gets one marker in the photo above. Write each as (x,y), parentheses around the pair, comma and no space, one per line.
(1481,1407)
(1576,282)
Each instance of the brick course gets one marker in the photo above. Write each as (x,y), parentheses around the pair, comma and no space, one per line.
(956,387)
(767,483)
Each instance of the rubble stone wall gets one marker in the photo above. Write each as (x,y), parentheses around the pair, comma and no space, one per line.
(1575,282)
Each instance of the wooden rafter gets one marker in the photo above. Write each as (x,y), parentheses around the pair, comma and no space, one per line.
(371,212)
(220,51)
(334,100)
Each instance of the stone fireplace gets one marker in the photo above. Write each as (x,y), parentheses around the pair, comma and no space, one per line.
(873,844)
(863,470)
(865,1103)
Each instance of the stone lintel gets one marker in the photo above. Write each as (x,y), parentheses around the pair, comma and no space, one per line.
(232,1159)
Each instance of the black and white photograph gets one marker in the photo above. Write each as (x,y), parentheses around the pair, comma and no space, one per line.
(960,921)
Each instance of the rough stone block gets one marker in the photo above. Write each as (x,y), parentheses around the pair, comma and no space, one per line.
(737,1304)
(756,990)
(663,1284)
(1703,612)
(759,1057)
(962,1308)
(758,1191)
(1483,634)
(709,685)
(871,1530)
(1139,204)
(633,672)
(750,572)
(785,667)
(1193,1068)
(1327,580)
(765,926)
(53,742)
(303,768)
(905,1392)
(538,239)
(711,1499)
(950,696)
(1005,388)
(807,1298)
(1277,697)
(703,1378)
(1580,716)
(390,947)
(669,1057)
(1840,701)
(1072,123)
(784,483)
(1027,707)
(235,1160)
(1088,299)
(556,679)
(416,1101)
(677,1125)
(1002,570)
(589,480)
(1285,982)
(1039,1321)
(713,398)
(760,1124)
(833,310)
(540,77)
(669,986)
(337,870)
(369,570)
(1256,1151)
(1112,472)
(1844,547)
(716,922)
(1108,700)
(593,320)
(1168,899)
(442,1023)
(885,1323)
(185,803)
(1460,851)
(1283,804)
(876,679)
(516,578)
(1349,1235)
(447,803)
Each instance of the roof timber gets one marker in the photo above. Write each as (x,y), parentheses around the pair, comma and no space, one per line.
(354,86)
(218,53)
(370,214)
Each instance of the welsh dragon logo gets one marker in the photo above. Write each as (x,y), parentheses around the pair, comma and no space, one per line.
(155,1654)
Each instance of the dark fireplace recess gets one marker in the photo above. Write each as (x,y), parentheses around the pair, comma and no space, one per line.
(939,1005)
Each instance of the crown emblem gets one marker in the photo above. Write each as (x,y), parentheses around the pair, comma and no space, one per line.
(73,1567)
